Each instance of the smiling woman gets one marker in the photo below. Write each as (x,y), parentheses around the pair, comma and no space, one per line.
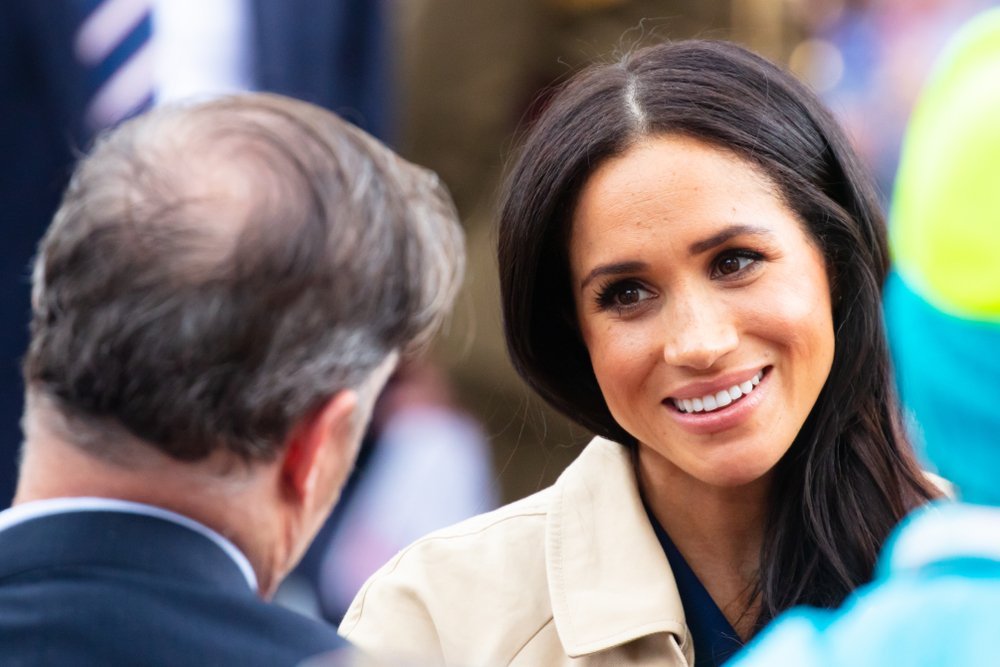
(691,261)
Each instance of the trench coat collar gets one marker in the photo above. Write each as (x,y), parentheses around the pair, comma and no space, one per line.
(609,580)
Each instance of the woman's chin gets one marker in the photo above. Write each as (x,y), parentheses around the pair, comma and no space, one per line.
(736,475)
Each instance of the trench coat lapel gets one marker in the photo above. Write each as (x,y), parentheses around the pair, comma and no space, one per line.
(609,580)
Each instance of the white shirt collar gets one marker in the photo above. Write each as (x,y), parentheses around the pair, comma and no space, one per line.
(39,508)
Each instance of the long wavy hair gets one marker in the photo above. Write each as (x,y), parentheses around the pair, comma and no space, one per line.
(850,474)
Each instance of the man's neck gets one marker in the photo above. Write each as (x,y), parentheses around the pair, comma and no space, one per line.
(233,505)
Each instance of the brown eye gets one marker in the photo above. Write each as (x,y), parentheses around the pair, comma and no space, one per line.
(629,296)
(730,265)
(733,263)
(623,295)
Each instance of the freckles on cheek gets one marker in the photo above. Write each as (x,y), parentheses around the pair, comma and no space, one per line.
(806,297)
(796,321)
(801,323)
(815,308)
(798,308)
(628,344)
(624,368)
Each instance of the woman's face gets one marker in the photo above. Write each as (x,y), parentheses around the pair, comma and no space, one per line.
(705,307)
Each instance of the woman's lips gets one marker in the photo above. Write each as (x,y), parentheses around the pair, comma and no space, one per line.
(720,399)
(720,417)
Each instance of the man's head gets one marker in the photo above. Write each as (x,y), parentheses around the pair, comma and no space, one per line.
(220,275)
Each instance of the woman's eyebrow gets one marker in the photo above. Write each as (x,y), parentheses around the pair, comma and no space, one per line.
(721,237)
(613,269)
(696,248)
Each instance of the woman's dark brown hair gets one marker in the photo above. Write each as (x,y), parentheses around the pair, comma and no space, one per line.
(850,476)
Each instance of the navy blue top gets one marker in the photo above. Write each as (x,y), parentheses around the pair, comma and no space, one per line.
(714,638)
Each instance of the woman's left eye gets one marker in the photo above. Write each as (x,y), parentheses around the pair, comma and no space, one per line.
(733,263)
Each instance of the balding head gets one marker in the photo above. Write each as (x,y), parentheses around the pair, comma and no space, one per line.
(218,271)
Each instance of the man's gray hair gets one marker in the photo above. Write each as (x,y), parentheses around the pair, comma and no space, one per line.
(217,271)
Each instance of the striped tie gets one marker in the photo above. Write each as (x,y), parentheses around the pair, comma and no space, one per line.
(113,42)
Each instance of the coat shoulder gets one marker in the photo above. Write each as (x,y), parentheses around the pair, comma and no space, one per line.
(477,588)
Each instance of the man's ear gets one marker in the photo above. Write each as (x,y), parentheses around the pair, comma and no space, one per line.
(328,432)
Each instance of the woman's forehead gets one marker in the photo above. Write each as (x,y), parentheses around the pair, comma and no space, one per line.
(668,184)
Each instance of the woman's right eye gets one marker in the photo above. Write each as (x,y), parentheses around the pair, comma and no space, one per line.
(622,295)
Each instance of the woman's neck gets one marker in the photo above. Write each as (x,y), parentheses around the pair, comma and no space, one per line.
(718,530)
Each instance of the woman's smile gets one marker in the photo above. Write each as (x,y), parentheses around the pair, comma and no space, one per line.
(717,411)
(710,398)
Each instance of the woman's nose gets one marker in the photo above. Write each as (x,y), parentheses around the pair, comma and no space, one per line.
(698,333)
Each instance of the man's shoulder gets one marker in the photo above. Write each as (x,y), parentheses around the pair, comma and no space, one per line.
(283,632)
(134,618)
(155,593)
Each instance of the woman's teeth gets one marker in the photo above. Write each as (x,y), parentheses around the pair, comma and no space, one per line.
(710,402)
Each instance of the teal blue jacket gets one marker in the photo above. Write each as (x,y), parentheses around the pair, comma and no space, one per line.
(935,602)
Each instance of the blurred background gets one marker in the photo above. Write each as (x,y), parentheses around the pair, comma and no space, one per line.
(448,84)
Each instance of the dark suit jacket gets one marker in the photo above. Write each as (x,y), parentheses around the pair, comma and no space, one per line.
(113,588)
(329,52)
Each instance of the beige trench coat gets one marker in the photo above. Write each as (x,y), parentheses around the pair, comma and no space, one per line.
(572,575)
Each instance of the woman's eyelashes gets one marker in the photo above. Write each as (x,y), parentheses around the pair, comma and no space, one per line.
(626,295)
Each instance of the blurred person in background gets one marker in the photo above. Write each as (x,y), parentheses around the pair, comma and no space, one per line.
(222,294)
(936,599)
(869,59)
(691,259)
